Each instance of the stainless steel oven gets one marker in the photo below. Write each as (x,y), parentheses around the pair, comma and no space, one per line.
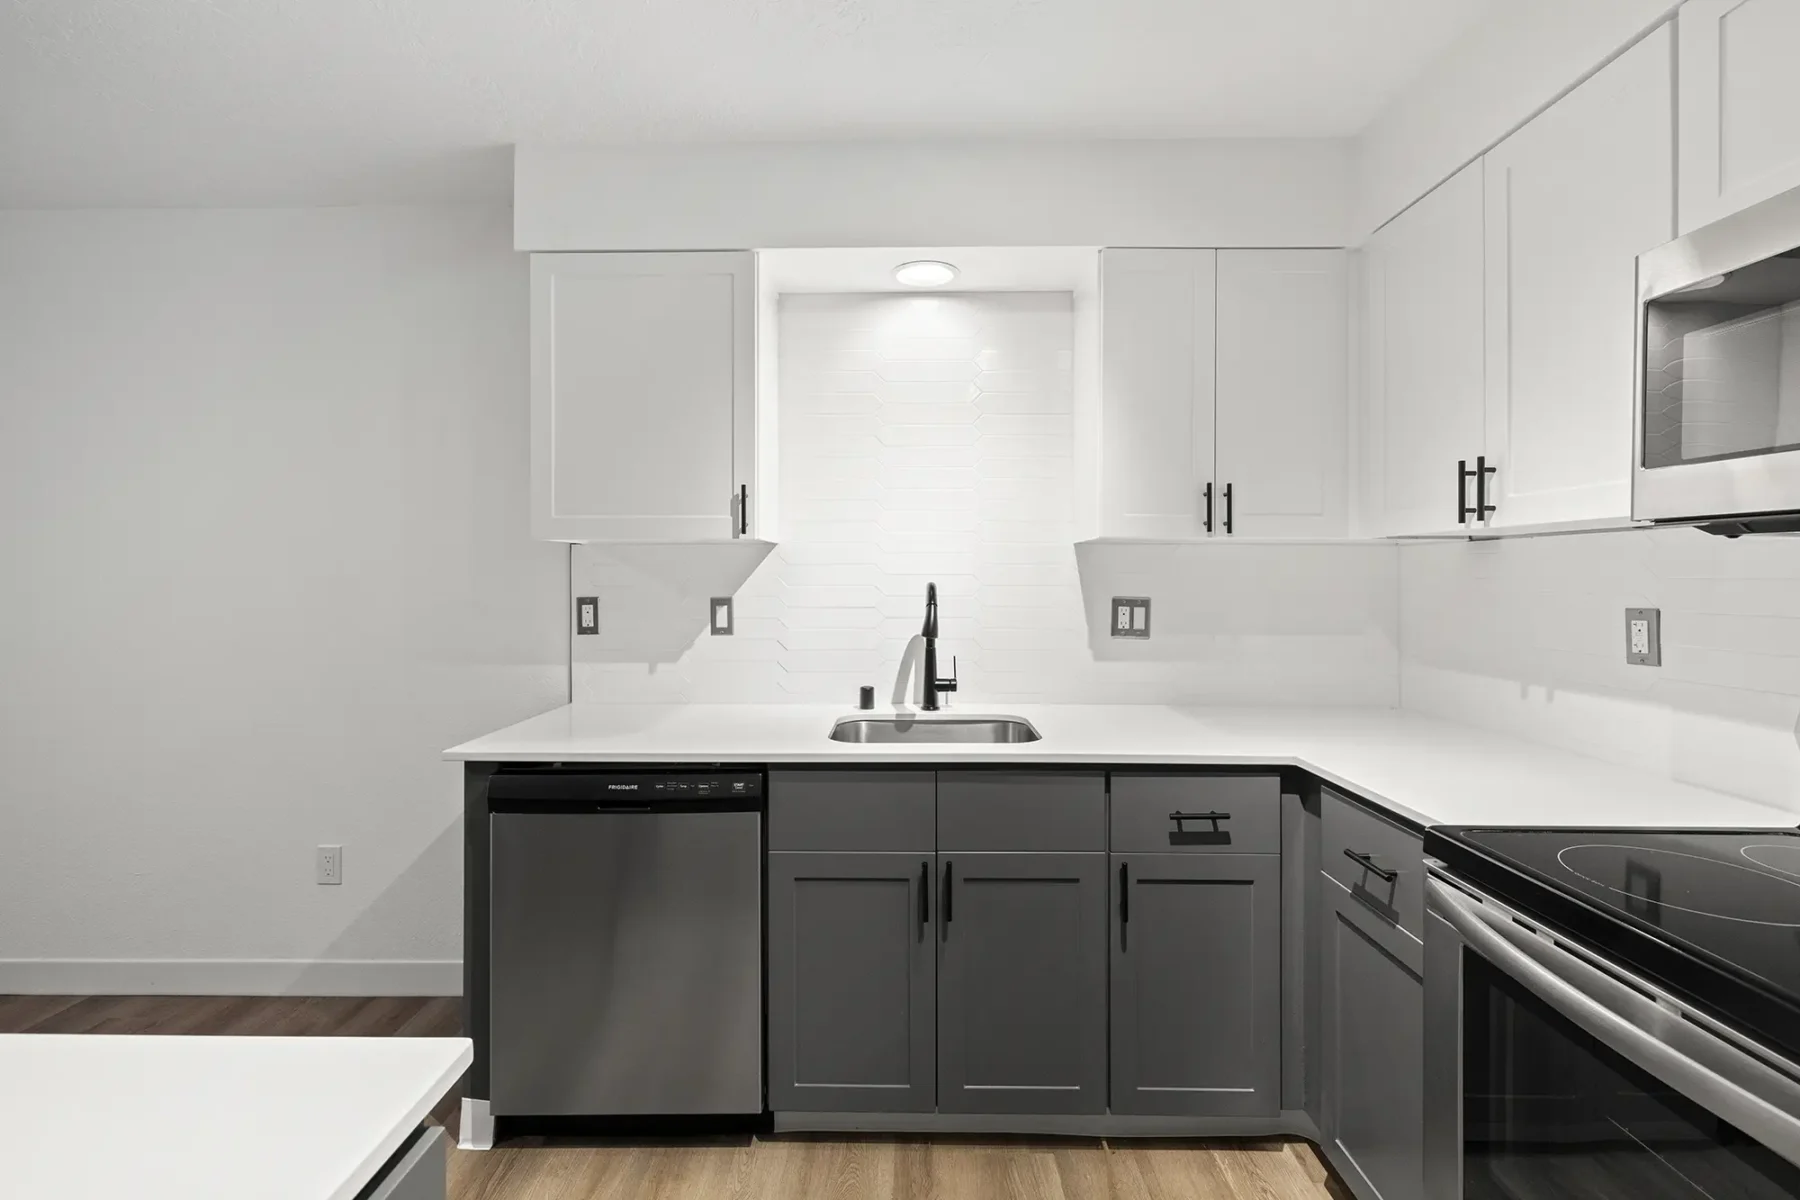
(1554,1073)
(1718,419)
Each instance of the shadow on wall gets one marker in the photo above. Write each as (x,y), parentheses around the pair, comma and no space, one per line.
(654,599)
(1203,595)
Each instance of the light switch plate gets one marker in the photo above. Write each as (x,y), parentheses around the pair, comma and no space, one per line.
(1130,616)
(587,614)
(1643,637)
(720,619)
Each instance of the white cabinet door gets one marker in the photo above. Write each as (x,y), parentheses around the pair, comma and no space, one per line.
(1282,392)
(1740,105)
(642,395)
(1156,451)
(1572,199)
(1425,329)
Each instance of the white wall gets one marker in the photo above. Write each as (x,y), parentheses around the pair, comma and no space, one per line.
(932,439)
(1172,192)
(1499,74)
(263,519)
(1528,636)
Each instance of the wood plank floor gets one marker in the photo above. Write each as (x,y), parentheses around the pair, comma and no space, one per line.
(787,1167)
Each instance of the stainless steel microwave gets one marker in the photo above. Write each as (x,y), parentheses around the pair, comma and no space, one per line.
(1718,416)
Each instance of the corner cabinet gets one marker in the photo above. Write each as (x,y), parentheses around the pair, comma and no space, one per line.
(643,407)
(1501,316)
(1223,393)
(1740,105)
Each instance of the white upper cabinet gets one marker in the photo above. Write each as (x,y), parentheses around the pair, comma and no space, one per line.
(1424,329)
(1156,363)
(1572,199)
(1740,105)
(643,415)
(1281,393)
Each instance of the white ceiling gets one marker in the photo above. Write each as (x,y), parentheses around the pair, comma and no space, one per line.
(979,269)
(263,101)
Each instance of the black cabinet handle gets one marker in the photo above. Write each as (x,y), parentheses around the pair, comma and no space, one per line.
(924,898)
(949,869)
(1463,511)
(1207,492)
(1482,471)
(1228,508)
(1124,893)
(1368,864)
(1215,816)
(743,510)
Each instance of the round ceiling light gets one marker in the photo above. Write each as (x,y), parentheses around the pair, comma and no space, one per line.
(924,273)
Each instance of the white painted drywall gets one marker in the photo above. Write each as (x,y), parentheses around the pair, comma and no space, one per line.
(1495,77)
(1173,192)
(932,438)
(263,519)
(1527,636)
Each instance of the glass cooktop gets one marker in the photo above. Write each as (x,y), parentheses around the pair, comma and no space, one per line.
(1714,915)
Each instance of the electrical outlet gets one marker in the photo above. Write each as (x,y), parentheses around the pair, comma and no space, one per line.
(329,864)
(720,608)
(1131,616)
(587,614)
(1643,637)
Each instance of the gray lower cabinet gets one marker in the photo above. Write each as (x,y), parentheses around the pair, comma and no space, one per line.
(1196,984)
(1372,1013)
(1022,983)
(852,982)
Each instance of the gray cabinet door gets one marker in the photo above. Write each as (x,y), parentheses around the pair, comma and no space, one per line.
(1374,1074)
(852,982)
(1196,984)
(1022,983)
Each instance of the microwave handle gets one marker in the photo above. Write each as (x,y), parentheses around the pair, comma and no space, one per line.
(1727,1081)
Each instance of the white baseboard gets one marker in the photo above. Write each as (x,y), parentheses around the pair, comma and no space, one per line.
(229,977)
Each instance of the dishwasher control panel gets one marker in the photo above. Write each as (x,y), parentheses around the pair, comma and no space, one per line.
(551,788)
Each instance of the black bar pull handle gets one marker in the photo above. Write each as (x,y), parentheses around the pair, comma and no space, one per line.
(1214,816)
(1368,864)
(743,510)
(1228,508)
(1482,471)
(949,891)
(1463,511)
(1207,492)
(1124,893)
(924,898)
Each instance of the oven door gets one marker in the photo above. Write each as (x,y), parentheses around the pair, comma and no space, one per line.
(1550,1075)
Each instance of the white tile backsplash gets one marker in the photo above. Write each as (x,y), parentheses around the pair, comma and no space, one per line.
(1528,636)
(931,438)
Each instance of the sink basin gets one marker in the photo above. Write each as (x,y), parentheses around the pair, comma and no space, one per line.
(909,730)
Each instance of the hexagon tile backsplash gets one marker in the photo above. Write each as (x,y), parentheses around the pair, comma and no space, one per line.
(931,438)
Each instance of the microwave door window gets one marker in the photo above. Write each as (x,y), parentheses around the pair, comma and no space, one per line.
(1722,366)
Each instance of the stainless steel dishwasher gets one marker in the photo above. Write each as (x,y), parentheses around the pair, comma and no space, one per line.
(626,943)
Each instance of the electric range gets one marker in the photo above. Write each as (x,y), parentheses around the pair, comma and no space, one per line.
(1612,1012)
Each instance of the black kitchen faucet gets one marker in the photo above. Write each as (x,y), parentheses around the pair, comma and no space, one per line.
(934,685)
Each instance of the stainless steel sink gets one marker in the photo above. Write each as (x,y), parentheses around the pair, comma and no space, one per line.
(903,730)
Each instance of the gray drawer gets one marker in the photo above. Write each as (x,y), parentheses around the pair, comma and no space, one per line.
(1351,829)
(417,1172)
(1056,811)
(853,810)
(1249,808)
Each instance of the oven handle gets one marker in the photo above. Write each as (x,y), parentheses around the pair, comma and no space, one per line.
(1727,1081)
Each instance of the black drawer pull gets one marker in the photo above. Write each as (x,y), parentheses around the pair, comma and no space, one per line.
(1124,893)
(1368,864)
(1214,817)
(924,898)
(949,869)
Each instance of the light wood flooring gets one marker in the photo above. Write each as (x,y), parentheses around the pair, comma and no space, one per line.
(787,1167)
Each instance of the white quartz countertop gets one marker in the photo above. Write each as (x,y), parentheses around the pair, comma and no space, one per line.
(98,1117)
(1425,770)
